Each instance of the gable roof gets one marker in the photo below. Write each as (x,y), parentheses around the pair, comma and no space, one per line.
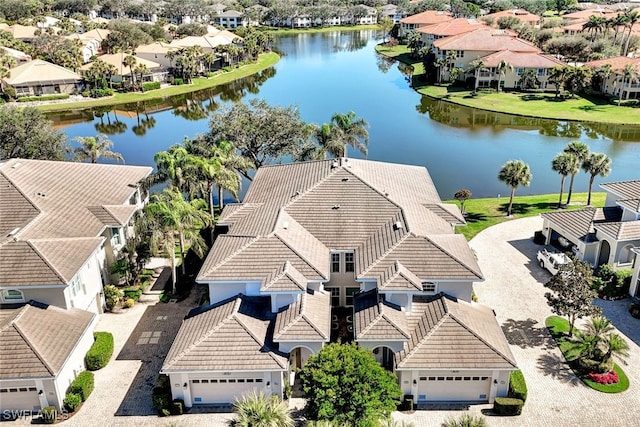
(617,63)
(38,71)
(453,27)
(36,340)
(232,335)
(521,14)
(624,189)
(521,59)
(306,319)
(378,320)
(117,59)
(631,204)
(451,334)
(580,222)
(621,230)
(585,14)
(491,40)
(427,17)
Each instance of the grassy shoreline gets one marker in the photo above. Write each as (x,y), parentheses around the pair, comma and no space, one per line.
(483,213)
(265,61)
(536,105)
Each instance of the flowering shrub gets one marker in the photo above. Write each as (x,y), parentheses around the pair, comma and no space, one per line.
(606,378)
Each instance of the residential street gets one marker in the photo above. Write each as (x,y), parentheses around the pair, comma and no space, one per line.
(513,288)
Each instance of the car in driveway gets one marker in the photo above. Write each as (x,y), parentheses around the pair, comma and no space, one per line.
(551,261)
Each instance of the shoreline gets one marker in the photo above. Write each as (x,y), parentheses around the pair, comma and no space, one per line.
(631,115)
(265,60)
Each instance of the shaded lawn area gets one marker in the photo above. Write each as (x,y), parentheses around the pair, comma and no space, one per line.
(483,213)
(559,329)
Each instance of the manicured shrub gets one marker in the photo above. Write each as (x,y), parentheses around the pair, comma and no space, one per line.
(164,298)
(72,401)
(507,406)
(150,86)
(43,97)
(82,385)
(101,93)
(610,377)
(49,414)
(177,407)
(517,386)
(128,303)
(100,352)
(465,420)
(178,81)
(112,295)
(597,366)
(132,293)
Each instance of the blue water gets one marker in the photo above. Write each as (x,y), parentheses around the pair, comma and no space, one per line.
(338,72)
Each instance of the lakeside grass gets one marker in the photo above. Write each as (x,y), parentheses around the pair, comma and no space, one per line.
(284,31)
(483,213)
(559,330)
(265,61)
(541,105)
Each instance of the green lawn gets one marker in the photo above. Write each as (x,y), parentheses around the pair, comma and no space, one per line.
(483,213)
(559,328)
(544,105)
(265,61)
(283,31)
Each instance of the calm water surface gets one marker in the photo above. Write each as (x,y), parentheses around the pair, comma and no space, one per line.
(337,72)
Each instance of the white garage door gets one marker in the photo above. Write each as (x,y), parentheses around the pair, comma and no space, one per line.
(454,388)
(17,398)
(222,390)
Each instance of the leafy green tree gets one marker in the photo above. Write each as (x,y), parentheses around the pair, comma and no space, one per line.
(558,78)
(414,42)
(258,410)
(345,384)
(529,80)
(26,133)
(596,164)
(351,131)
(564,164)
(95,147)
(580,151)
(261,133)
(570,293)
(577,79)
(514,173)
(462,196)
(385,24)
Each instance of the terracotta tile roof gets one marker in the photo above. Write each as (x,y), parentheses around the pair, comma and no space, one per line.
(454,27)
(580,222)
(377,320)
(620,231)
(521,60)
(624,189)
(39,71)
(521,14)
(306,319)
(585,14)
(617,63)
(428,17)
(116,59)
(450,334)
(491,40)
(36,340)
(232,335)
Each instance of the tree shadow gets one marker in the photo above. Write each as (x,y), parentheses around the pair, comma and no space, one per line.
(524,208)
(555,366)
(532,97)
(526,333)
(475,217)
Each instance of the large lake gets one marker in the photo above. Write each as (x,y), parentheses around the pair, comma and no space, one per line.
(333,72)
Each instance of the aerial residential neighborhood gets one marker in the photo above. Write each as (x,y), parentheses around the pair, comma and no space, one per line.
(198,228)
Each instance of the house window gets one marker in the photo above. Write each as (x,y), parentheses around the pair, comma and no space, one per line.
(541,72)
(12,295)
(74,286)
(350,292)
(429,287)
(349,263)
(519,71)
(335,296)
(335,263)
(115,237)
(459,53)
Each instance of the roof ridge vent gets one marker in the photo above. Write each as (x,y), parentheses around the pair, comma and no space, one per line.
(397,225)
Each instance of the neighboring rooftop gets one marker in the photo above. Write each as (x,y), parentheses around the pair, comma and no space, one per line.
(39,71)
(428,17)
(486,39)
(580,222)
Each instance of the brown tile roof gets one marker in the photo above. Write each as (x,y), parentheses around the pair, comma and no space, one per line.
(631,204)
(36,340)
(306,319)
(620,231)
(16,210)
(624,189)
(397,277)
(428,17)
(617,63)
(448,212)
(39,71)
(285,278)
(377,320)
(229,336)
(454,27)
(490,40)
(521,59)
(450,334)
(580,222)
(521,14)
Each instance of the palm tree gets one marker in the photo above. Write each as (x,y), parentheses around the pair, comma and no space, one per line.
(596,164)
(351,130)
(328,144)
(580,151)
(629,73)
(558,76)
(514,173)
(440,64)
(502,68)
(477,65)
(259,410)
(130,61)
(95,147)
(631,17)
(141,69)
(564,164)
(616,346)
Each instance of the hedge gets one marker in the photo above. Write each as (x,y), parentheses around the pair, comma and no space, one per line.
(82,385)
(72,401)
(43,97)
(518,386)
(507,406)
(100,352)
(150,86)
(178,81)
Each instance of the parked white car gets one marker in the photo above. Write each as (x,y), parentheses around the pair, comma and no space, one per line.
(551,260)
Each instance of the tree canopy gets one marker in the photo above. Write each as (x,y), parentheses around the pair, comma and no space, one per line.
(344,383)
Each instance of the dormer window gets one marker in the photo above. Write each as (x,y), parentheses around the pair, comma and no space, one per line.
(12,295)
(429,287)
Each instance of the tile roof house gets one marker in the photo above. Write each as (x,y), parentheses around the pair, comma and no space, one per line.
(616,84)
(63,224)
(520,63)
(40,77)
(91,42)
(342,248)
(123,73)
(520,14)
(428,17)
(601,235)
(42,350)
(449,28)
